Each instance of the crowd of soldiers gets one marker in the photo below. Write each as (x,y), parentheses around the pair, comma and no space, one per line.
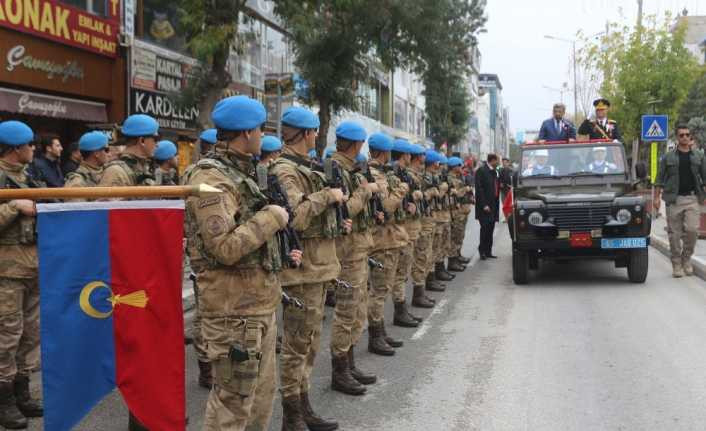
(287,228)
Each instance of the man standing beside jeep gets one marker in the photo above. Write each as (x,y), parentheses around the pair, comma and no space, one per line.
(681,176)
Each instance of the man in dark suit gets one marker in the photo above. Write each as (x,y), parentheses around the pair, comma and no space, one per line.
(487,204)
(557,128)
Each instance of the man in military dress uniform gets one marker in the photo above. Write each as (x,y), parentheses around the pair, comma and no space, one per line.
(94,154)
(351,309)
(134,165)
(19,283)
(233,234)
(601,127)
(315,220)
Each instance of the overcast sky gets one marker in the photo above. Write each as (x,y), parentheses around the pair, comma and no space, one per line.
(514,46)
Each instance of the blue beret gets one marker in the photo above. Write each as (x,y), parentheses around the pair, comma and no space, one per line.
(238,113)
(15,133)
(416,150)
(139,125)
(329,152)
(209,136)
(165,150)
(455,161)
(93,141)
(380,142)
(401,146)
(443,160)
(301,118)
(351,131)
(312,154)
(432,157)
(270,144)
(361,157)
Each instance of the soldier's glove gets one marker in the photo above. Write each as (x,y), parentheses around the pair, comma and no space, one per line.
(280,214)
(404,187)
(443,188)
(417,195)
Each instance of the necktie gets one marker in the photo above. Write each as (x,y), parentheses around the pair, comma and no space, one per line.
(556,124)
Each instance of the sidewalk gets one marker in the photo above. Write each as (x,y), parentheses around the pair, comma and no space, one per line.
(660,241)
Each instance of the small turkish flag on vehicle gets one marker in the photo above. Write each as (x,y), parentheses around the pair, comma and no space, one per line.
(507,204)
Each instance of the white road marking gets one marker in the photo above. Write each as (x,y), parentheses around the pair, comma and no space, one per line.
(427,321)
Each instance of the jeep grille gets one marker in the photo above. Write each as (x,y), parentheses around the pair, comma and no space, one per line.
(578,218)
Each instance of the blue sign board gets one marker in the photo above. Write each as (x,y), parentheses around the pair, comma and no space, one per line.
(655,128)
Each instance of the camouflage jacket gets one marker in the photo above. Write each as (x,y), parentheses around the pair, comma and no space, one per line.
(18,252)
(390,234)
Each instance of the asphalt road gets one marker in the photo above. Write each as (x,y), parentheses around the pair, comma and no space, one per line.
(580,348)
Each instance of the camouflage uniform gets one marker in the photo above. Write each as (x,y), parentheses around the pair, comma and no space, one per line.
(442,231)
(85,176)
(19,284)
(352,251)
(423,258)
(315,221)
(231,236)
(127,170)
(459,213)
(166,178)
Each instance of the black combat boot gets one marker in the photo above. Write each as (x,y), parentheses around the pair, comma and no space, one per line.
(440,272)
(292,415)
(205,375)
(433,285)
(360,376)
(455,265)
(312,420)
(389,340)
(341,378)
(376,341)
(10,416)
(402,317)
(419,299)
(30,408)
(463,259)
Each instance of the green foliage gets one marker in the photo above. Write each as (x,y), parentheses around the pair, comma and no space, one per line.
(642,70)
(697,126)
(695,104)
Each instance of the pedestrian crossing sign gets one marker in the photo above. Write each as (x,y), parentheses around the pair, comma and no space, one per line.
(655,128)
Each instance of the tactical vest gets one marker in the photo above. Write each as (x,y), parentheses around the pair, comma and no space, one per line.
(394,182)
(23,229)
(364,219)
(129,165)
(324,225)
(89,179)
(268,255)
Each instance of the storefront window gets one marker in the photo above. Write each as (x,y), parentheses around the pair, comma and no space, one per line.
(96,7)
(160,25)
(400,113)
(278,52)
(368,99)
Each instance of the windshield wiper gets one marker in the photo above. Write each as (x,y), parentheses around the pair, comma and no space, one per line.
(542,176)
(593,174)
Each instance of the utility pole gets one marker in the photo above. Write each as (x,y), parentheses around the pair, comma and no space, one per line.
(576,93)
(639,13)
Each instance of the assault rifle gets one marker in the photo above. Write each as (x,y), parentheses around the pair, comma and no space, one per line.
(375,202)
(334,179)
(290,300)
(374,264)
(288,239)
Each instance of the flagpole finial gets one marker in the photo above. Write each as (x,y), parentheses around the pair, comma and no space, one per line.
(203,190)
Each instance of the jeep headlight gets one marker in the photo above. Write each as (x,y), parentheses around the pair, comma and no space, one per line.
(535,218)
(623,216)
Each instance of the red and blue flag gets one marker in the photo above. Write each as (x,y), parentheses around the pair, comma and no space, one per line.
(110,277)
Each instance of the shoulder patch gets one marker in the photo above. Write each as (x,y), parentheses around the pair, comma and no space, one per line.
(210,201)
(215,225)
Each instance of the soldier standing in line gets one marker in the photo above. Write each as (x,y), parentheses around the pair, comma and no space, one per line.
(94,154)
(19,282)
(389,237)
(410,220)
(271,149)
(238,263)
(165,158)
(207,139)
(422,249)
(444,250)
(352,304)
(459,213)
(316,222)
(435,278)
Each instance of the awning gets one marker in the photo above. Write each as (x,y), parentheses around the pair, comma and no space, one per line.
(43,105)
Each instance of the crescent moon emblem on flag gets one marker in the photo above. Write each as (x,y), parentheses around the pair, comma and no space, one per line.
(85,300)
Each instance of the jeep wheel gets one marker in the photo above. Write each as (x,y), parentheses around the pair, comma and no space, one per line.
(637,265)
(520,266)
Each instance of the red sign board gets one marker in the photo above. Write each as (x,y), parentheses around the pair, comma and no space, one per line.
(65,24)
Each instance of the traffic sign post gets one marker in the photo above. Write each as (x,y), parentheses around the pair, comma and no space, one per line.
(655,129)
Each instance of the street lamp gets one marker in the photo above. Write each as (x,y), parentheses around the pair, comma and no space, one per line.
(576,97)
(564,88)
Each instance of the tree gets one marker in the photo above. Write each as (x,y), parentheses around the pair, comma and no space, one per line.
(642,70)
(211,30)
(697,126)
(695,104)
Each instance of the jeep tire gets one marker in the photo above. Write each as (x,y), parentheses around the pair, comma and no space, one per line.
(520,266)
(638,262)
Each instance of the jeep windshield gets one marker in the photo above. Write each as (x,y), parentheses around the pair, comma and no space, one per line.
(567,160)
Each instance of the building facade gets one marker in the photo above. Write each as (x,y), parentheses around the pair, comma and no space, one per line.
(493,117)
(695,37)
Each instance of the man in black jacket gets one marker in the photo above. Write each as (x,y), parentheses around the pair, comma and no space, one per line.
(46,167)
(487,204)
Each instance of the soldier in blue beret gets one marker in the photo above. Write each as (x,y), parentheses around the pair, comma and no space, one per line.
(462,198)
(271,149)
(19,284)
(235,253)
(94,155)
(207,139)
(165,158)
(134,165)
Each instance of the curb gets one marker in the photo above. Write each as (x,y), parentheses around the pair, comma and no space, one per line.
(662,245)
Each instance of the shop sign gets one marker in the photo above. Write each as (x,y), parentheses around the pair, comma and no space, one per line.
(156,70)
(24,102)
(18,58)
(160,106)
(59,22)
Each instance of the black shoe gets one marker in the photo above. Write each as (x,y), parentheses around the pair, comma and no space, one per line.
(490,256)
(483,257)
(30,407)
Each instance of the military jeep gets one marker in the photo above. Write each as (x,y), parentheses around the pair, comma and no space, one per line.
(576,201)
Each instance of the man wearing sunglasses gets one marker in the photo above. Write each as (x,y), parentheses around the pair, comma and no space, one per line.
(681,178)
(134,167)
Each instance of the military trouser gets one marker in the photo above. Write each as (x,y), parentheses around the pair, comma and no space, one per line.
(438,246)
(458,234)
(404,266)
(301,339)
(351,307)
(446,245)
(683,223)
(19,327)
(382,281)
(423,254)
(199,345)
(244,387)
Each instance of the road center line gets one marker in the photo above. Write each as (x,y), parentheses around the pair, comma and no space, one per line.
(427,321)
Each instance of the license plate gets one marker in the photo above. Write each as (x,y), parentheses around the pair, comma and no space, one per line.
(624,243)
